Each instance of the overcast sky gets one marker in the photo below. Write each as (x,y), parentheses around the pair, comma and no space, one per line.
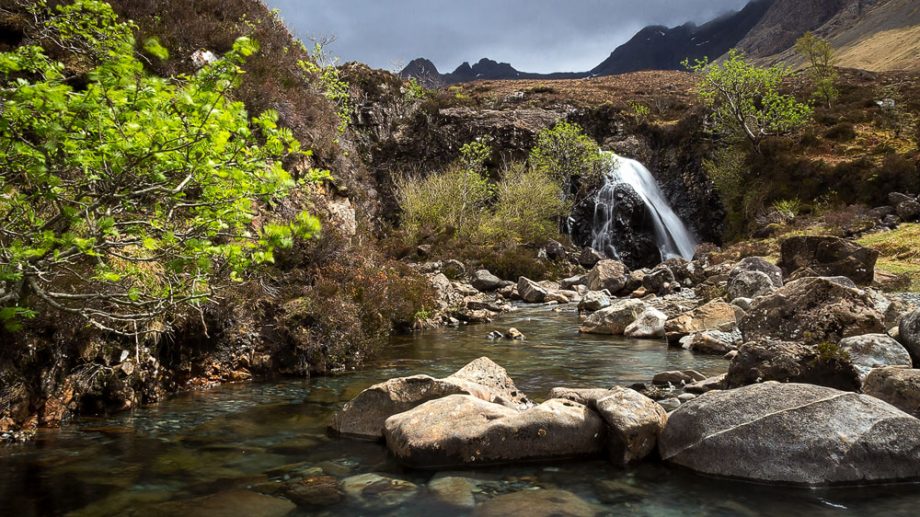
(532,35)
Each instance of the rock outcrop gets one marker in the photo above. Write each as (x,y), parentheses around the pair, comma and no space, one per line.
(364,416)
(828,256)
(793,433)
(461,430)
(814,310)
(614,319)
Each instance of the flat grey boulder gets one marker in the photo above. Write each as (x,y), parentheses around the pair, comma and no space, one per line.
(793,433)
(485,281)
(364,416)
(634,422)
(614,319)
(899,387)
(874,351)
(461,430)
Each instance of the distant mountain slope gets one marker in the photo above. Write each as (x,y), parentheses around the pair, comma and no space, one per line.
(661,48)
(876,35)
(786,20)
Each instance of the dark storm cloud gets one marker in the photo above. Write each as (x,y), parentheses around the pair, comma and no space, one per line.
(532,35)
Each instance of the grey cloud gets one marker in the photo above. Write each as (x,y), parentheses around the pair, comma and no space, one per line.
(532,35)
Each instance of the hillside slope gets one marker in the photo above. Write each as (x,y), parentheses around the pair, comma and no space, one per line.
(661,48)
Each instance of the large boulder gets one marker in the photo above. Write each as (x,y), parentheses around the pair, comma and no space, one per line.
(759,361)
(614,319)
(749,284)
(594,301)
(909,333)
(712,342)
(660,280)
(530,291)
(815,310)
(793,433)
(899,387)
(607,274)
(485,281)
(649,325)
(759,264)
(715,315)
(829,256)
(461,430)
(589,257)
(874,351)
(634,422)
(909,210)
(364,416)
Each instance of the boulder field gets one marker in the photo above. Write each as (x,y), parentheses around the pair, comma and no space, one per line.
(819,386)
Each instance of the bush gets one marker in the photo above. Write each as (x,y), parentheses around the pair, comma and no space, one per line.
(528,208)
(451,202)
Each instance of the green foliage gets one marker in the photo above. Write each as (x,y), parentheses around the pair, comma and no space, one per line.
(819,54)
(639,111)
(571,158)
(334,88)
(475,154)
(746,101)
(828,352)
(527,209)
(788,208)
(414,91)
(135,194)
(451,202)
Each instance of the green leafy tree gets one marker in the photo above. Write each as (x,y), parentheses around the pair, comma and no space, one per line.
(134,195)
(569,156)
(819,54)
(746,99)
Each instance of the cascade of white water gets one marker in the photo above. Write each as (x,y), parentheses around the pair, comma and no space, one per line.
(671,234)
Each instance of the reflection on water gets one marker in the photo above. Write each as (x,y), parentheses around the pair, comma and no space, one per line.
(236,441)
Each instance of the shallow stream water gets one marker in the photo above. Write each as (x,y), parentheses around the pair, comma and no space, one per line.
(164,459)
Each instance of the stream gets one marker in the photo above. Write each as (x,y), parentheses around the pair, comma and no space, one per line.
(164,458)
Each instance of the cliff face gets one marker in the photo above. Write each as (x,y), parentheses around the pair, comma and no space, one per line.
(785,21)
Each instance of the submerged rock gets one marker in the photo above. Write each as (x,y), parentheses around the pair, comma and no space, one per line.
(793,433)
(378,491)
(364,416)
(231,503)
(461,430)
(537,503)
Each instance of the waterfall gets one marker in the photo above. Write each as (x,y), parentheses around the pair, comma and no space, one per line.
(671,234)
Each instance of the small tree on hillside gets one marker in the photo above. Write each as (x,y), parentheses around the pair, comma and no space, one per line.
(745,99)
(569,156)
(819,54)
(133,195)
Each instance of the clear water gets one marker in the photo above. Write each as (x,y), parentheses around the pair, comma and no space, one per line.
(253,436)
(673,237)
